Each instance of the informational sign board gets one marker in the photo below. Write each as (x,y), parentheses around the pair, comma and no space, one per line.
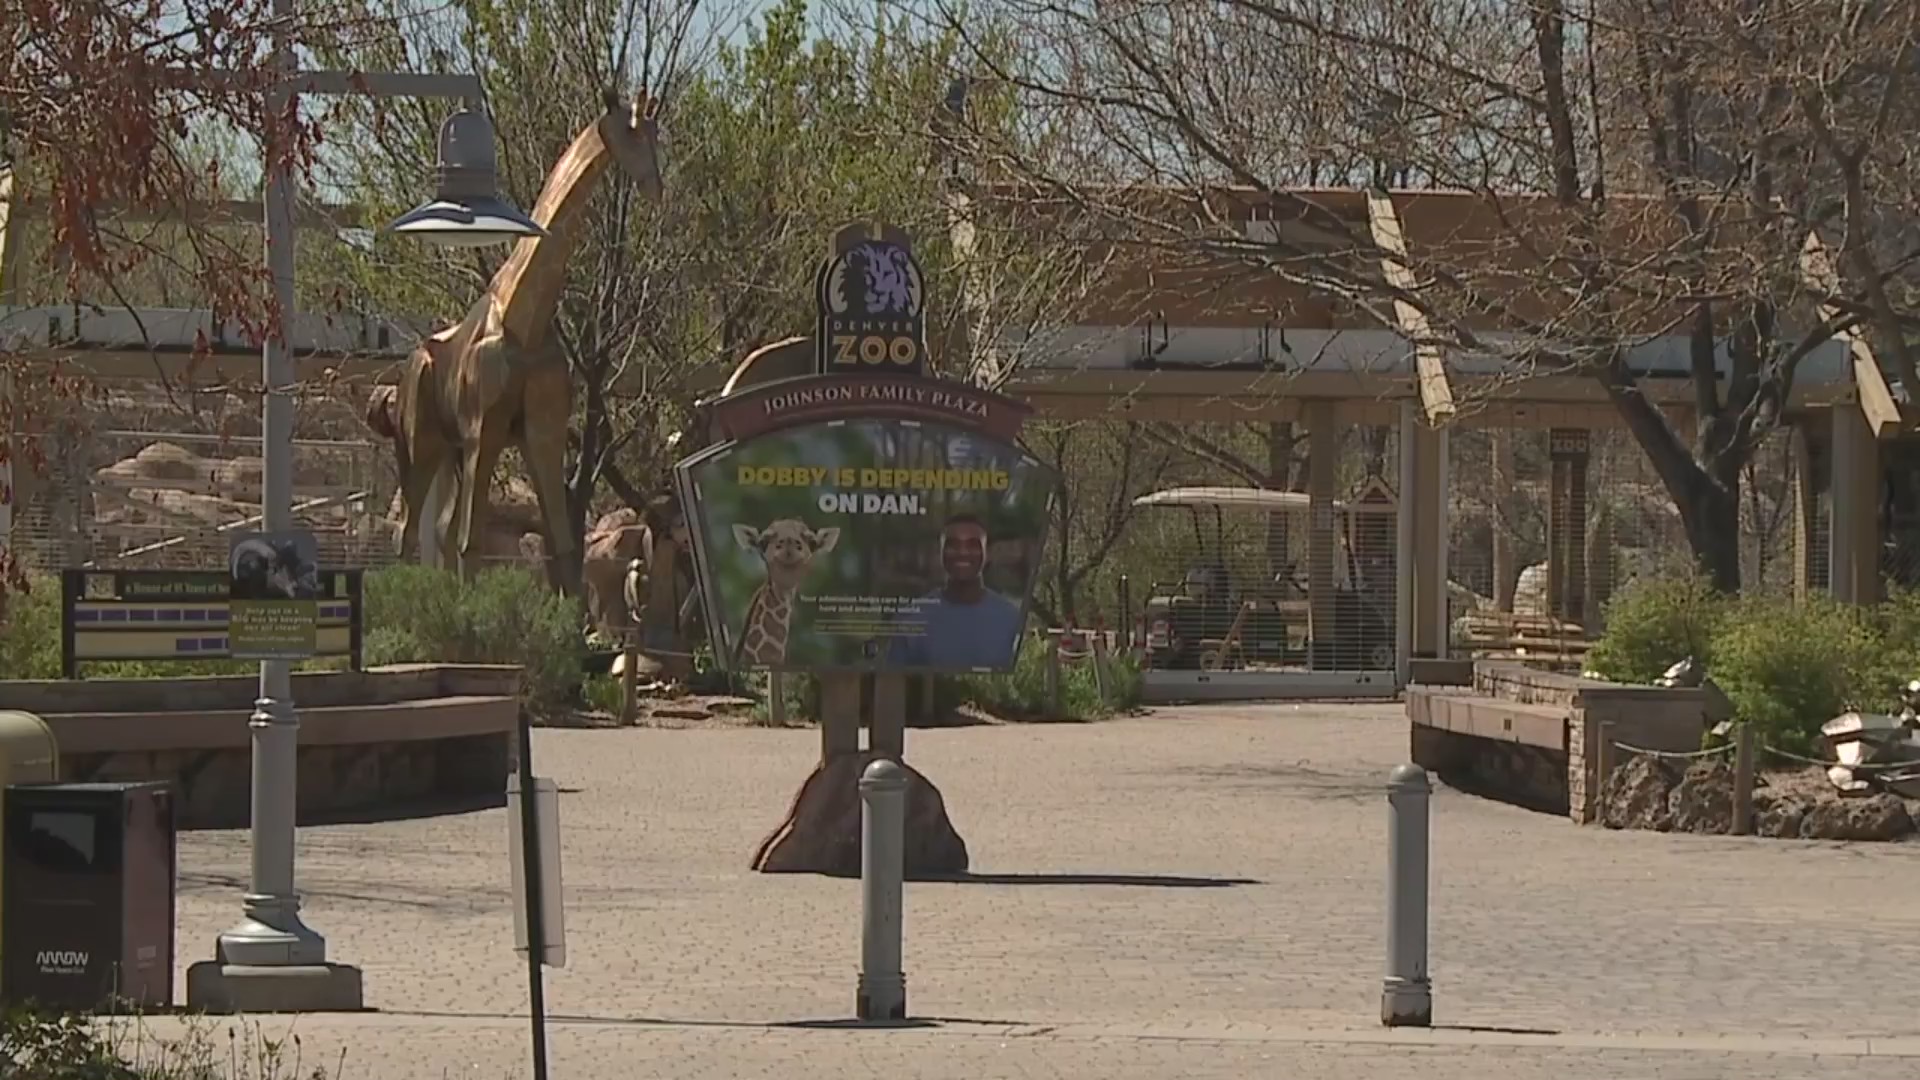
(273,595)
(868,545)
(867,517)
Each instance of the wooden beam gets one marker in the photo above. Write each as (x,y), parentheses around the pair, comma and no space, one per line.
(1436,396)
(1877,403)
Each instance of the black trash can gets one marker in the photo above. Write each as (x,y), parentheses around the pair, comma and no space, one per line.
(89,896)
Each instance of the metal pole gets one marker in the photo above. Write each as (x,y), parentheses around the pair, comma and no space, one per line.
(270,933)
(883,833)
(536,910)
(1407,999)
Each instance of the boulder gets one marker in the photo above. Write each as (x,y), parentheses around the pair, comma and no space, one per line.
(821,834)
(1777,815)
(1702,802)
(1638,795)
(1876,817)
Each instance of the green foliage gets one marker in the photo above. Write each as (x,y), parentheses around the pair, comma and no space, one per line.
(30,632)
(601,693)
(1022,693)
(51,1046)
(419,614)
(1654,623)
(1789,667)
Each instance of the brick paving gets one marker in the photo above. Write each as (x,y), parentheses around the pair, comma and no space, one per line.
(1193,893)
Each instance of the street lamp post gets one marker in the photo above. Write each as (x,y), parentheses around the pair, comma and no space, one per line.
(271,961)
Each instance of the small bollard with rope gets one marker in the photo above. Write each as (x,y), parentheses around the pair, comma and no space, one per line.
(1406,1000)
(882,992)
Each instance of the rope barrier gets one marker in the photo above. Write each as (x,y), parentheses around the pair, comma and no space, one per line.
(1912,767)
(1677,755)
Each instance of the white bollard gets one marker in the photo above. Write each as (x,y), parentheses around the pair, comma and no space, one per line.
(882,993)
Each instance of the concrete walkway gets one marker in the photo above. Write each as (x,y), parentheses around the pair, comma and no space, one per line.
(1196,893)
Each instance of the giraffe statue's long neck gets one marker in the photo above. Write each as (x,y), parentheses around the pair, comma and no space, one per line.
(776,619)
(527,286)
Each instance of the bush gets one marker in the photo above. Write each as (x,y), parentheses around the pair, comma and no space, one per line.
(1022,693)
(51,1046)
(419,614)
(1654,623)
(1790,667)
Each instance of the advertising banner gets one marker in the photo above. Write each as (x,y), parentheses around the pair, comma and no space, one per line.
(273,599)
(879,544)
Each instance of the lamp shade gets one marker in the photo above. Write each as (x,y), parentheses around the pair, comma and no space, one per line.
(467,210)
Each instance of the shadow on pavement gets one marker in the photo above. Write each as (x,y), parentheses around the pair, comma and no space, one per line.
(1150,881)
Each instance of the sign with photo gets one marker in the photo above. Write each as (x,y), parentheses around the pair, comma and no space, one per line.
(273,595)
(871,544)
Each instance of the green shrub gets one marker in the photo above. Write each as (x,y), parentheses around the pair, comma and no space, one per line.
(30,632)
(52,1046)
(419,614)
(1022,693)
(1654,623)
(1789,667)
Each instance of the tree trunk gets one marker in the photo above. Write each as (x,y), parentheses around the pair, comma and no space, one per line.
(1710,510)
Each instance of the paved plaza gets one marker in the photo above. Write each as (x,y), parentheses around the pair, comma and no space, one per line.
(1193,893)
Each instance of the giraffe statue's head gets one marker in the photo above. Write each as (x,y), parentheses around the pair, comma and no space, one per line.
(632,136)
(787,546)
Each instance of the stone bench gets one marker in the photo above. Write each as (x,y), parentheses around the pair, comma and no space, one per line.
(372,743)
(1532,737)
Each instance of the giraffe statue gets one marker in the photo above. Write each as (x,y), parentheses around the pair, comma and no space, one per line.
(497,377)
(788,548)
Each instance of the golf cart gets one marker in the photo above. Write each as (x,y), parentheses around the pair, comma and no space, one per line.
(1207,621)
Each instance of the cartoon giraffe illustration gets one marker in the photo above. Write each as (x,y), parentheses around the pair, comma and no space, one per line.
(787,547)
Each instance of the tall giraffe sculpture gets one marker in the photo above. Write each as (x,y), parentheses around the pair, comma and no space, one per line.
(788,549)
(496,377)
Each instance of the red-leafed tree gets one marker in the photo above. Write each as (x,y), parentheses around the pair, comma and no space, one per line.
(98,102)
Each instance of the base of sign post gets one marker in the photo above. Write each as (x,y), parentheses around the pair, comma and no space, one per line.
(821,834)
(215,987)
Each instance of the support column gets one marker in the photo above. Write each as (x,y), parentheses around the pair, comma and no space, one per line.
(1506,576)
(1806,513)
(887,730)
(839,716)
(1853,523)
(1568,452)
(1405,549)
(1323,451)
(1429,502)
(11,226)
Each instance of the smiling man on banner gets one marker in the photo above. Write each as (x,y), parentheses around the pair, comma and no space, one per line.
(963,624)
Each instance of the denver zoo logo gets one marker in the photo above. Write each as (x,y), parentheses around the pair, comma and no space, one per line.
(872,311)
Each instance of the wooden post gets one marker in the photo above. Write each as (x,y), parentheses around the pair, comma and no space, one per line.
(887,730)
(1602,770)
(629,684)
(1056,678)
(1100,680)
(1743,780)
(776,699)
(839,715)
